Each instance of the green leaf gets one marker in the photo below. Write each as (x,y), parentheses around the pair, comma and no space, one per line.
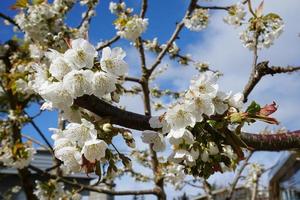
(253,108)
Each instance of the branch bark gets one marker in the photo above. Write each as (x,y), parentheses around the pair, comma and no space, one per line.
(262,69)
(264,142)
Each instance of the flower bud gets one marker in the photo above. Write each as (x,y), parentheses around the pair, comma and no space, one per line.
(107,127)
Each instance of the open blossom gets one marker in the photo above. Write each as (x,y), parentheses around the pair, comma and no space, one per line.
(57,95)
(236,100)
(203,85)
(80,133)
(78,83)
(175,175)
(81,55)
(93,150)
(115,8)
(220,102)
(189,157)
(59,68)
(198,20)
(155,138)
(199,106)
(178,117)
(18,156)
(112,61)
(236,15)
(71,158)
(133,28)
(51,190)
(103,84)
(269,27)
(181,136)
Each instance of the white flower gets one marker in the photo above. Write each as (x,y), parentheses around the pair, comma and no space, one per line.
(71,158)
(189,157)
(57,95)
(151,45)
(115,8)
(198,20)
(180,136)
(78,83)
(112,61)
(134,27)
(203,85)
(15,159)
(213,148)
(156,122)
(59,68)
(103,84)
(175,175)
(93,150)
(220,102)
(71,114)
(81,55)
(199,106)
(236,100)
(228,151)
(49,190)
(155,138)
(22,86)
(236,15)
(205,156)
(80,133)
(178,117)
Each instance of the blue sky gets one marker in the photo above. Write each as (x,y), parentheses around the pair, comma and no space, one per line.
(218,44)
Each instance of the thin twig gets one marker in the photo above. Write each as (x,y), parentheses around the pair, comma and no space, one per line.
(36,142)
(10,20)
(108,43)
(39,132)
(174,36)
(238,176)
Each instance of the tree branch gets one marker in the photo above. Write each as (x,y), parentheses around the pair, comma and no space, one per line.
(259,142)
(238,176)
(262,69)
(47,175)
(174,36)
(108,43)
(10,20)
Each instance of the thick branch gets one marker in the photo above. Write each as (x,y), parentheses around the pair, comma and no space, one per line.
(264,142)
(262,69)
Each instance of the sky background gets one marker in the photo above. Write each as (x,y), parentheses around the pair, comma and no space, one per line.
(219,45)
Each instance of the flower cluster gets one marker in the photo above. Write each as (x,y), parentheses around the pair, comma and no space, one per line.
(262,31)
(128,26)
(18,155)
(186,124)
(255,171)
(198,20)
(75,73)
(78,146)
(54,190)
(174,174)
(42,21)
(236,15)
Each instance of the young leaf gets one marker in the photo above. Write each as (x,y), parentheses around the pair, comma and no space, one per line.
(253,108)
(20,4)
